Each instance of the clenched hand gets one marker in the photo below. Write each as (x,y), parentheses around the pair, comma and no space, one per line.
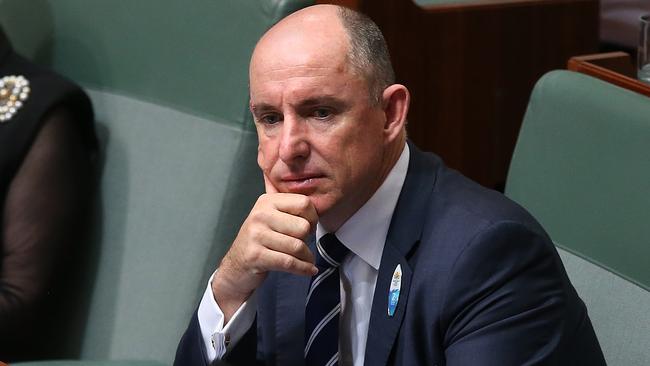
(272,238)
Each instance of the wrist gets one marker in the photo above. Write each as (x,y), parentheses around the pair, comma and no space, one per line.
(228,294)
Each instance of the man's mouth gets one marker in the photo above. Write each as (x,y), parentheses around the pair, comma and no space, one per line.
(303,184)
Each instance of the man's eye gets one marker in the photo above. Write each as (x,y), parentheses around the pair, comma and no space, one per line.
(270,119)
(322,113)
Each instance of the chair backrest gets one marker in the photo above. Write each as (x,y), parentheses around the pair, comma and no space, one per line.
(581,166)
(617,307)
(173,187)
(168,81)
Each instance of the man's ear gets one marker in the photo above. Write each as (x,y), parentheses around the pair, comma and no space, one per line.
(395,103)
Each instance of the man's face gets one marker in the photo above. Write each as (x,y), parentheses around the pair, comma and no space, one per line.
(319,133)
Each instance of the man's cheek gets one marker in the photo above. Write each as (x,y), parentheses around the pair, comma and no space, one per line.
(261,160)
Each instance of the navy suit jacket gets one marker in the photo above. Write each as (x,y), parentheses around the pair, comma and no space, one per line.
(482,285)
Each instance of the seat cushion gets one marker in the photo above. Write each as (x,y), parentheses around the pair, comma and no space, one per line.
(618,310)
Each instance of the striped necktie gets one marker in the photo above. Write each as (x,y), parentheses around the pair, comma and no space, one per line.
(323,304)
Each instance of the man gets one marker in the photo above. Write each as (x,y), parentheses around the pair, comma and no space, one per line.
(439,269)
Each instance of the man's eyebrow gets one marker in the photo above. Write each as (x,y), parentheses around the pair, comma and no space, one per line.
(326,100)
(262,107)
(320,100)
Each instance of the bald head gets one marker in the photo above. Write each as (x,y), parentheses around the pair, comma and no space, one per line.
(334,33)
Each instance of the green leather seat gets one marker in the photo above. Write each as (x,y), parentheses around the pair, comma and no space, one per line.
(168,81)
(582,167)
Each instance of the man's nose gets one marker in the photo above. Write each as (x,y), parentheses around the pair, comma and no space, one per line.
(294,144)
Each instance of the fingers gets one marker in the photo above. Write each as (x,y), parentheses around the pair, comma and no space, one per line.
(266,250)
(288,245)
(279,252)
(284,223)
(278,261)
(297,205)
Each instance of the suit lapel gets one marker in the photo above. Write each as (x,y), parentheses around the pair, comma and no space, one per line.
(403,235)
(383,328)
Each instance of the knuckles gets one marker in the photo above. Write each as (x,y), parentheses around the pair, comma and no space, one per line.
(303,203)
(297,246)
(252,254)
(255,233)
(304,227)
(288,263)
(307,209)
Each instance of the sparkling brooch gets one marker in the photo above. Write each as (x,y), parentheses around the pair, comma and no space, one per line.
(14,91)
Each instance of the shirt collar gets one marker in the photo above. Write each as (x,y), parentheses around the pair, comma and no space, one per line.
(364,233)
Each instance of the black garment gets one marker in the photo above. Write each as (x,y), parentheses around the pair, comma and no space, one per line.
(46,178)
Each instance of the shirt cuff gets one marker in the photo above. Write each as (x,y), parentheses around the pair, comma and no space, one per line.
(218,339)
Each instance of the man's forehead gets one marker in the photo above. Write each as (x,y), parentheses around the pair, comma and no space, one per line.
(306,37)
(308,49)
(294,86)
(296,72)
(322,18)
(301,66)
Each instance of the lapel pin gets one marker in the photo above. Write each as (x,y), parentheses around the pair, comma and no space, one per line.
(393,293)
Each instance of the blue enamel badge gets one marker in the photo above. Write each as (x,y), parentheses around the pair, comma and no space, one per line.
(393,293)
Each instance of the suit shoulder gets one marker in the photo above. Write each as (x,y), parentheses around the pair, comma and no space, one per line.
(451,210)
(455,193)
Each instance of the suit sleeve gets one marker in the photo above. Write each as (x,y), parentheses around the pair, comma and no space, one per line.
(191,351)
(507,300)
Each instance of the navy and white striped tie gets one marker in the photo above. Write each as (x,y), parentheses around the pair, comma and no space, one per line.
(323,304)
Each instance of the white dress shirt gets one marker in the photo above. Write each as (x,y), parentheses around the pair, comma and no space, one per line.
(365,235)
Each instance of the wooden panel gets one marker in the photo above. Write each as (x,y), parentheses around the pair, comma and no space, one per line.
(614,67)
(481,4)
(471,70)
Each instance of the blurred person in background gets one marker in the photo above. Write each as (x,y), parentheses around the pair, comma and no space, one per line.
(47,149)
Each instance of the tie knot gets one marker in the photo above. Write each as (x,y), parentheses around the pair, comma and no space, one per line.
(331,251)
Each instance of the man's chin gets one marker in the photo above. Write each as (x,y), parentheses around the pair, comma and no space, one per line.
(325,208)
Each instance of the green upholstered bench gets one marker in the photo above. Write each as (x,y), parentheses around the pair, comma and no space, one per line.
(582,167)
(168,81)
(174,188)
